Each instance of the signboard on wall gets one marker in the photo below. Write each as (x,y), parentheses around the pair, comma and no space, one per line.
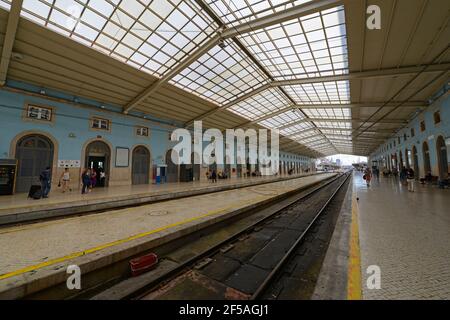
(122,156)
(69,163)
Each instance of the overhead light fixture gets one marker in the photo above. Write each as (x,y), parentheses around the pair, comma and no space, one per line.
(42,91)
(222,43)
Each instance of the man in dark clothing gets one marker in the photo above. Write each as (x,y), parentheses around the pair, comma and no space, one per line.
(214,176)
(45,178)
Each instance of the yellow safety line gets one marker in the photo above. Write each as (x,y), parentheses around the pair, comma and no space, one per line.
(354,291)
(121,241)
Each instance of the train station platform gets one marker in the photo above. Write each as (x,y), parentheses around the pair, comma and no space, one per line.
(18,208)
(36,255)
(389,243)
(405,234)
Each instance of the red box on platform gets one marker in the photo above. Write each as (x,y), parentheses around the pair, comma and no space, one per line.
(143,264)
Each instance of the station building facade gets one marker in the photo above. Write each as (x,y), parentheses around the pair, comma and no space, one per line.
(423,144)
(40,127)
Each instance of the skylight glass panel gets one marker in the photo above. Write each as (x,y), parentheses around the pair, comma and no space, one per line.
(234,12)
(333,92)
(149,35)
(5,4)
(254,107)
(221,75)
(283,119)
(296,129)
(333,124)
(310,46)
(328,113)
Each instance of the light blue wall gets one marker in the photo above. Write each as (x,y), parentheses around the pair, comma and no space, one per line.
(73,119)
(70,119)
(432,132)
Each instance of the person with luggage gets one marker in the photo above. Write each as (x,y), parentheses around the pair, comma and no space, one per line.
(85,181)
(64,180)
(367,176)
(45,177)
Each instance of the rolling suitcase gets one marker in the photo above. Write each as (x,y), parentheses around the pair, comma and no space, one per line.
(35,192)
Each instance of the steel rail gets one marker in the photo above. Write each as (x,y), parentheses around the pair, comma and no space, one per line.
(270,277)
(187,265)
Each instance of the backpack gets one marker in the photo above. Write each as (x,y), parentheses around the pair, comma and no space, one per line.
(37,195)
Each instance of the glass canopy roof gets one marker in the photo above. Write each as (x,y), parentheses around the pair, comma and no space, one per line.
(221,74)
(150,35)
(156,35)
(234,12)
(311,46)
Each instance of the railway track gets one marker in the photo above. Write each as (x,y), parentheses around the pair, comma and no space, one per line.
(244,259)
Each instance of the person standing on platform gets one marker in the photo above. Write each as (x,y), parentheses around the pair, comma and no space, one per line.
(45,177)
(377,173)
(85,180)
(214,176)
(410,179)
(403,174)
(367,176)
(93,178)
(65,177)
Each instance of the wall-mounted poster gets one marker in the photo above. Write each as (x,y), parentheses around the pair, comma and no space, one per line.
(122,157)
(69,163)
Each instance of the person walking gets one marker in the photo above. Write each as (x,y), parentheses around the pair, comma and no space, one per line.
(410,179)
(367,176)
(45,177)
(403,174)
(65,178)
(93,178)
(377,173)
(214,176)
(85,180)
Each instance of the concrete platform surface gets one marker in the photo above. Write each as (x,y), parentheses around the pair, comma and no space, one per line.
(407,235)
(18,208)
(44,248)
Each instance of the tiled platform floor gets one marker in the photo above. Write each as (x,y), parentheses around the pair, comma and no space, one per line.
(33,244)
(408,236)
(19,202)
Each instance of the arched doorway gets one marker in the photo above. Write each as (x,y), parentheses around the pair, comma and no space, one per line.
(415,162)
(34,153)
(400,159)
(172,168)
(140,170)
(426,158)
(441,150)
(98,156)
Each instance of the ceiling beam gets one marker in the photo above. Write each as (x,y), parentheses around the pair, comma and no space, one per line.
(411,104)
(279,17)
(386,121)
(10,36)
(191,58)
(228,105)
(349,76)
(367,74)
